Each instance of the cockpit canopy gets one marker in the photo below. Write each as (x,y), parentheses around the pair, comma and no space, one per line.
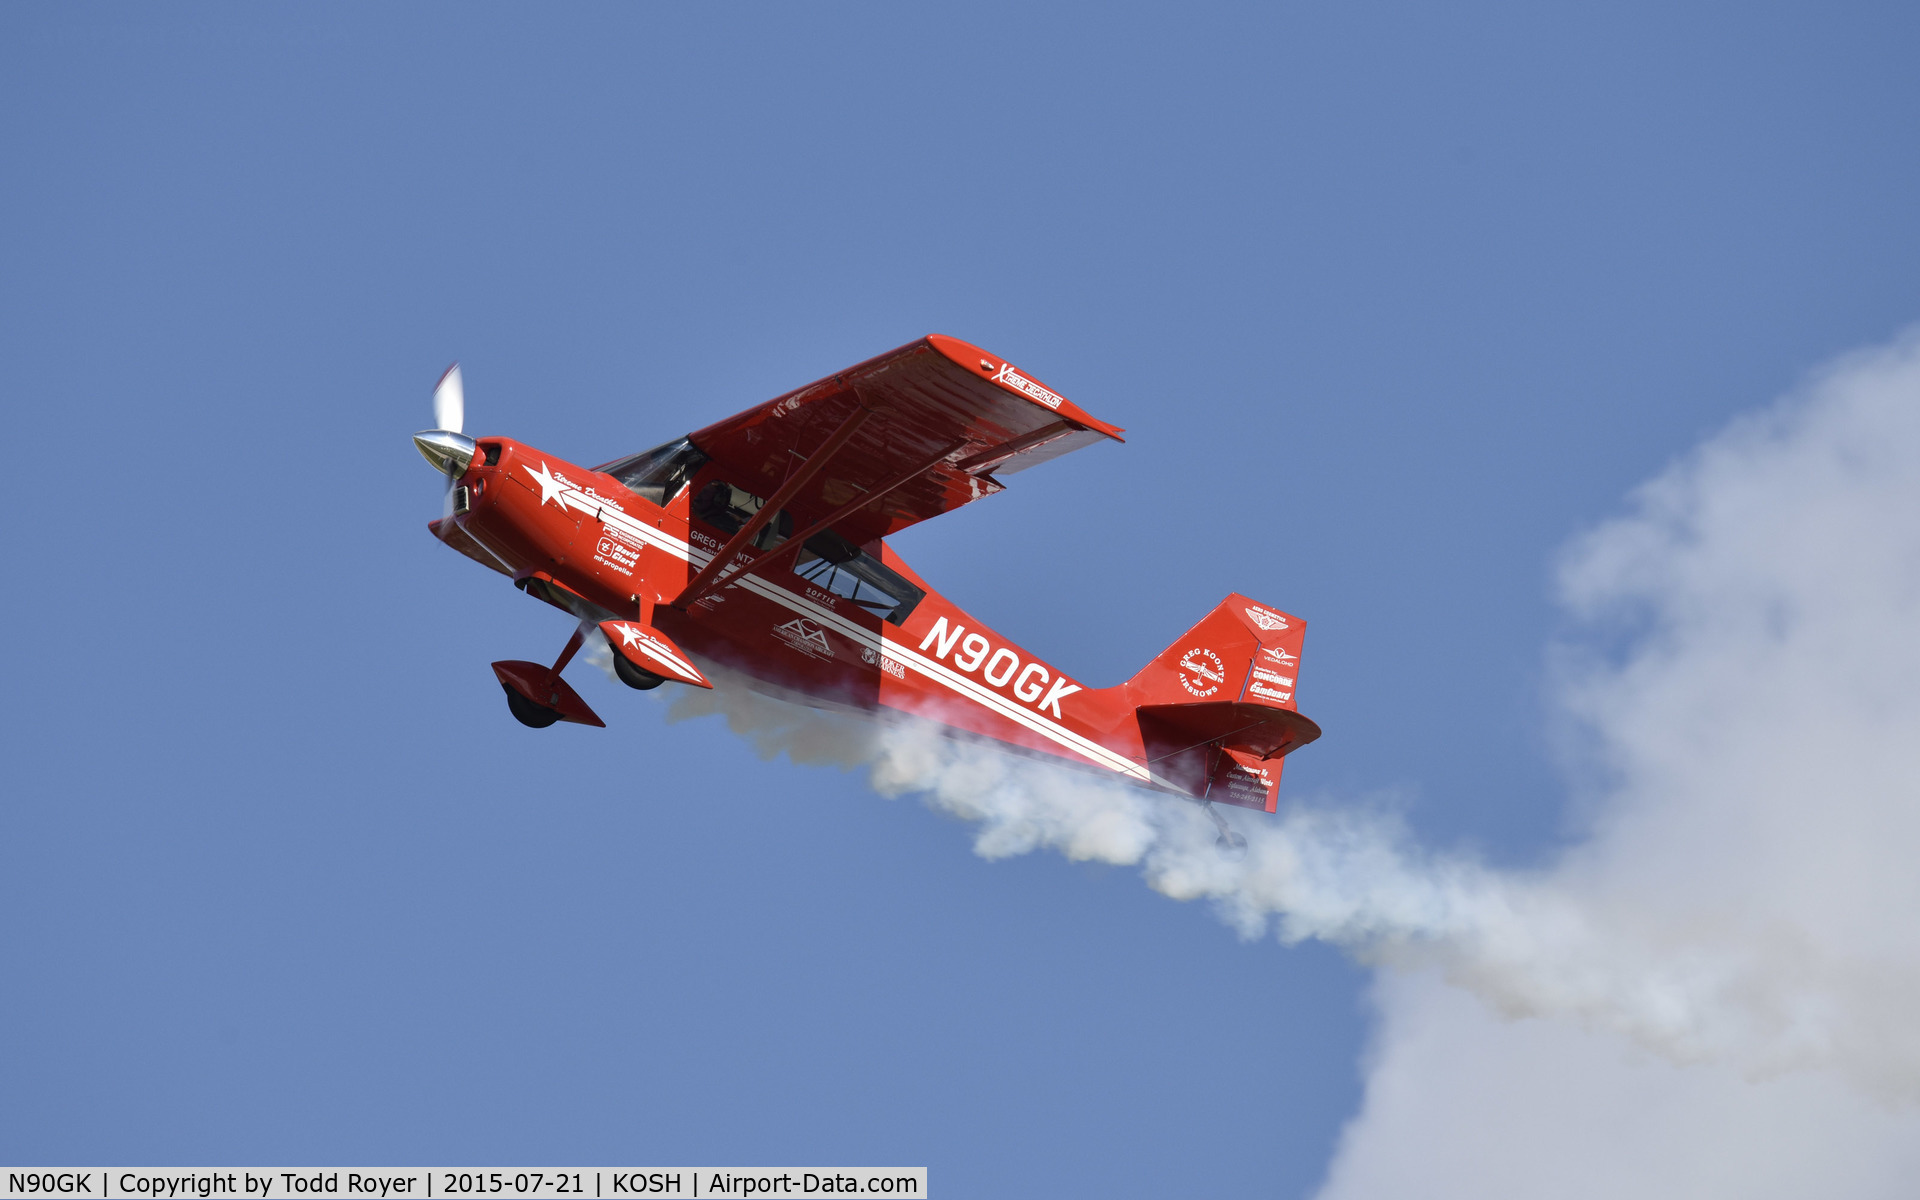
(657,474)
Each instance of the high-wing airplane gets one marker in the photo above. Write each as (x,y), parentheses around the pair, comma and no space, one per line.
(758,543)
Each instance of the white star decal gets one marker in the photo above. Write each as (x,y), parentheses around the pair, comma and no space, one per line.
(629,636)
(550,488)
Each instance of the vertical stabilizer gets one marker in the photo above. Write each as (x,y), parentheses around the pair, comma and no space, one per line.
(1241,651)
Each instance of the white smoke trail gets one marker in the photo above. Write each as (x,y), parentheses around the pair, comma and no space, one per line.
(1751,858)
(1761,724)
(1350,877)
(809,736)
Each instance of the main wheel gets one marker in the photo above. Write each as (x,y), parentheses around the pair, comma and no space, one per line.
(525,711)
(634,677)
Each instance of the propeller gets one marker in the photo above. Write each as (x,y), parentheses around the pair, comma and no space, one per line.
(449,401)
(448,449)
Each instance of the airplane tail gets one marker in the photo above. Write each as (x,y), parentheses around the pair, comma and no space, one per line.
(1216,708)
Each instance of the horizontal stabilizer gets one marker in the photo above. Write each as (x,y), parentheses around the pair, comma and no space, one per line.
(1255,728)
(1225,752)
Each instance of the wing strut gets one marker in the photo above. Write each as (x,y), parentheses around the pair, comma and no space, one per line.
(845,510)
(709,577)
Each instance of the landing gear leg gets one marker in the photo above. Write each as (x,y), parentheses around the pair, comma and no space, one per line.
(573,648)
(1231,844)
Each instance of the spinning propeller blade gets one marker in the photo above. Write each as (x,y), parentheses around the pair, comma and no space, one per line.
(449,401)
(445,446)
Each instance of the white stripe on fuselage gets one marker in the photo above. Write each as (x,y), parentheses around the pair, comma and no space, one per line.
(939,672)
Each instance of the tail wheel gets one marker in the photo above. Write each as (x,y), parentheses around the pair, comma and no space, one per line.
(634,677)
(1232,846)
(525,711)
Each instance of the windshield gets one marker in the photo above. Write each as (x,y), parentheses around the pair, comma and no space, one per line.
(657,474)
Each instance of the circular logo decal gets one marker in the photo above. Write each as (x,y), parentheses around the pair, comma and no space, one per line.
(1201,672)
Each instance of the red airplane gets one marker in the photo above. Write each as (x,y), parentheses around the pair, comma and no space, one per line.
(758,543)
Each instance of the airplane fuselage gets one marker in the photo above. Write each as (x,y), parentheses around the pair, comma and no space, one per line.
(582,541)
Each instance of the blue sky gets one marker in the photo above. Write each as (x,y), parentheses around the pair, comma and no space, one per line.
(1392,302)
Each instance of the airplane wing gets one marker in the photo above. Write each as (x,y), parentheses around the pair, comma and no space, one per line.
(921,430)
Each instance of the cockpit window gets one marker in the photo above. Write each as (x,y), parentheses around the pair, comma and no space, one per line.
(830,561)
(827,560)
(727,508)
(657,474)
(724,506)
